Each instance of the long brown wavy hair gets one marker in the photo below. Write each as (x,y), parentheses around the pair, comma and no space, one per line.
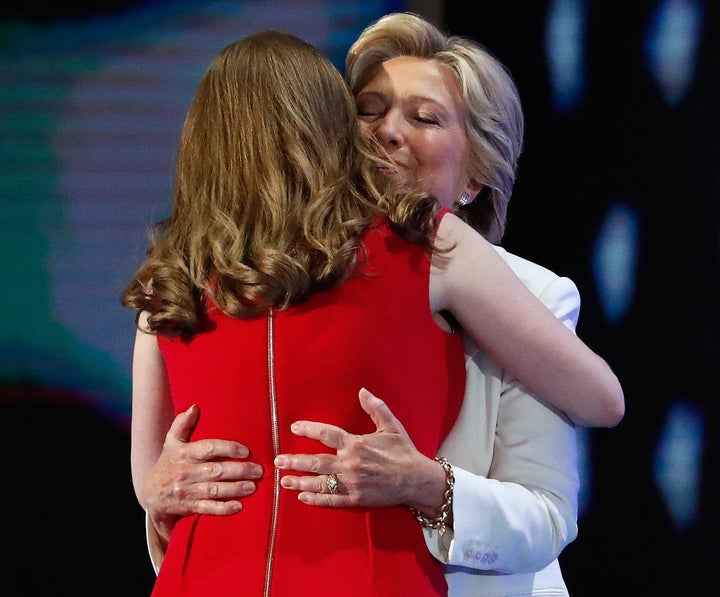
(273,187)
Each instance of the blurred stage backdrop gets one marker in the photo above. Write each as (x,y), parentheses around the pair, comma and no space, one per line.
(618,189)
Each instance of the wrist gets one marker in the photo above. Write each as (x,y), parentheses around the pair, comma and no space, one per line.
(441,517)
(424,486)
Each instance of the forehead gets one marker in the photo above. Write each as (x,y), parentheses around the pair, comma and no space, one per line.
(415,77)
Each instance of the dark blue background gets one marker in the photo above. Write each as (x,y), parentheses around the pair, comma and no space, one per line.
(617,189)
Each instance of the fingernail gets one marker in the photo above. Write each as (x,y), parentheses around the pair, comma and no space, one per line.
(288,483)
(280,461)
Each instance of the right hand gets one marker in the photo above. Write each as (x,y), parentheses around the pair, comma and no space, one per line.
(382,468)
(197,477)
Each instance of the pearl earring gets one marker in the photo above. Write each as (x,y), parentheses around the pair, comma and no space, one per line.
(464,199)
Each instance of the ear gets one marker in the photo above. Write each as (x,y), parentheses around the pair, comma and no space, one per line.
(473,188)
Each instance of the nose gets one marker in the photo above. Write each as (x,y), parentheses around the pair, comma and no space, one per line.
(389,129)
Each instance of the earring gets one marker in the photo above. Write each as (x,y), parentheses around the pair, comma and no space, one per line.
(464,199)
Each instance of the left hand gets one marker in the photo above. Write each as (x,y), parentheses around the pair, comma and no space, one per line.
(383,468)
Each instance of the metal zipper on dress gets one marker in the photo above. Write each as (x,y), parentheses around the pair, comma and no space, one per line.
(274,426)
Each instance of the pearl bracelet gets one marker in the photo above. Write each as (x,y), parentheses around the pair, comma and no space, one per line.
(438,523)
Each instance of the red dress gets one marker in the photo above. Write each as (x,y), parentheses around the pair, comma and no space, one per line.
(252,378)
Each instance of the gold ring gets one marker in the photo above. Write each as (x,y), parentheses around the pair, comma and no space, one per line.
(331,483)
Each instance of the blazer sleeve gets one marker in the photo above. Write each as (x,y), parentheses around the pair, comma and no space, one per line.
(518,516)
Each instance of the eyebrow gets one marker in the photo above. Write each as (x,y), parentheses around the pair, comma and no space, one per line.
(413,99)
(426,100)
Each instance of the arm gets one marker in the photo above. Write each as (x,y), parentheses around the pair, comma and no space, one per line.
(151,415)
(520,520)
(515,511)
(152,410)
(514,458)
(518,331)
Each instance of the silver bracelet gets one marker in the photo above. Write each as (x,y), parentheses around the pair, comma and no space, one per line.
(439,522)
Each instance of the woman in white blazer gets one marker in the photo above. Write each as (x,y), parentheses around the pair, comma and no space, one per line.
(509,483)
(514,459)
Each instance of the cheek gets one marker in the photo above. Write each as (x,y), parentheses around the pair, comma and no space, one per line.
(447,201)
(446,167)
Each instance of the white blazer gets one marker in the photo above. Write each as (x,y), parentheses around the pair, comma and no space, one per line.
(516,477)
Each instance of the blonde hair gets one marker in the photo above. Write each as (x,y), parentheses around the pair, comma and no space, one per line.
(493,114)
(273,187)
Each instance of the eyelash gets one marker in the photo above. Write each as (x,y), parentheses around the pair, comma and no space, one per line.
(375,114)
